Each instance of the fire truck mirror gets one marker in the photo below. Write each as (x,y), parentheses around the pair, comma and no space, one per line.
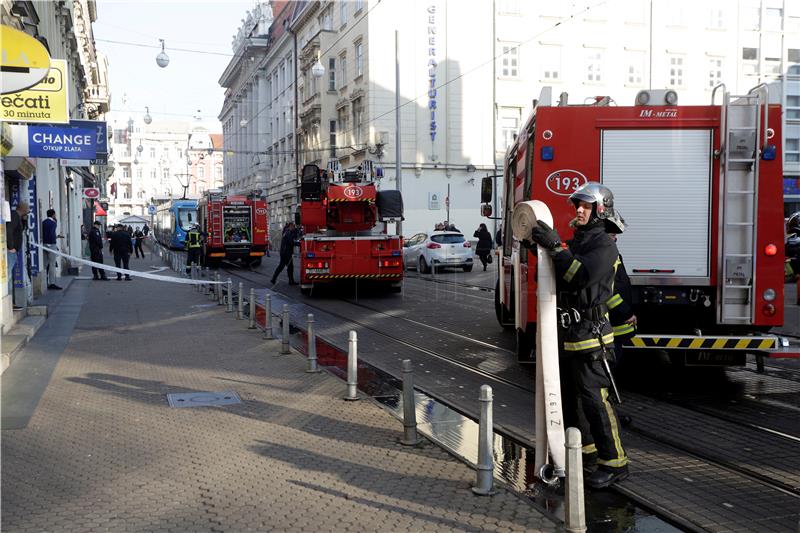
(487,185)
(486,210)
(297,217)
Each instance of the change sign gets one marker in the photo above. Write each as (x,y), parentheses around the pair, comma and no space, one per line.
(61,142)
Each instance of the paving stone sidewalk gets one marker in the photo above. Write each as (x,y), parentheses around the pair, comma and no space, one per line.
(103,451)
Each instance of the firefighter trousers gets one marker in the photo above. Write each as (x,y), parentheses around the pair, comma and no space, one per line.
(192,257)
(587,406)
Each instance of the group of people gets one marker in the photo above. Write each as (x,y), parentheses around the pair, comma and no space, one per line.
(445,226)
(122,243)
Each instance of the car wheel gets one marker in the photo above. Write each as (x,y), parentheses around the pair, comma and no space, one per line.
(467,268)
(423,266)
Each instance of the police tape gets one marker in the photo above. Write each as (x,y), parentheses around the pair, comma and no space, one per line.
(127,272)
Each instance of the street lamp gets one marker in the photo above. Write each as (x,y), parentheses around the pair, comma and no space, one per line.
(162,59)
(147,118)
(318,70)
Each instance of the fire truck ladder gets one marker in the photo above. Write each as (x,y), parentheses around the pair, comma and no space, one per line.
(740,154)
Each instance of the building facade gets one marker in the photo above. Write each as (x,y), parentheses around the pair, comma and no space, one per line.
(65,29)
(259,112)
(465,94)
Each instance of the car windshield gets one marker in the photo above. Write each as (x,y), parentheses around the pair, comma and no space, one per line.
(448,238)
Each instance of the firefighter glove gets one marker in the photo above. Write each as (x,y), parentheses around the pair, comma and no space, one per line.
(546,237)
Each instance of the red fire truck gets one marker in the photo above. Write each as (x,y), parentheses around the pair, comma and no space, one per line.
(235,228)
(344,223)
(700,190)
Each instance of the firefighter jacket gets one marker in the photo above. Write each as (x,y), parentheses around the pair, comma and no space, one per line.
(194,239)
(585,281)
(619,305)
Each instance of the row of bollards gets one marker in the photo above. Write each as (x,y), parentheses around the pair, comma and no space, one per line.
(575,520)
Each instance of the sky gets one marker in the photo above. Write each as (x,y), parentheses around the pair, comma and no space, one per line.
(191,80)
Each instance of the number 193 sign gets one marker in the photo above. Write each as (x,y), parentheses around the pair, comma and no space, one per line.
(565,182)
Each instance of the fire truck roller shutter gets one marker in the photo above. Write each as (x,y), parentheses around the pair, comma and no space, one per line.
(311,184)
(661,180)
(390,205)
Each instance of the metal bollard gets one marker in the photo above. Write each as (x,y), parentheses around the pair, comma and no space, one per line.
(352,368)
(312,345)
(268,316)
(574,510)
(485,475)
(220,292)
(251,322)
(195,276)
(212,294)
(410,437)
(285,330)
(240,303)
(229,301)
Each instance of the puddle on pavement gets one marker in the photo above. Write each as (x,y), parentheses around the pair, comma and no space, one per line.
(514,463)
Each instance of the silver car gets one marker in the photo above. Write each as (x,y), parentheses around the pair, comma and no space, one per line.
(437,250)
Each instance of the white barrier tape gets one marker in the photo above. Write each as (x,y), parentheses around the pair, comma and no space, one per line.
(127,272)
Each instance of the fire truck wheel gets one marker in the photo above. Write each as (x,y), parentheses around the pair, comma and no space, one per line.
(396,288)
(502,316)
(468,268)
(423,267)
(305,291)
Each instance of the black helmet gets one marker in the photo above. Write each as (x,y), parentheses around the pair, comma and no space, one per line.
(603,200)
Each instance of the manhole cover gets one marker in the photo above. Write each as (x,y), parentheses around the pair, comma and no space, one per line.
(203,399)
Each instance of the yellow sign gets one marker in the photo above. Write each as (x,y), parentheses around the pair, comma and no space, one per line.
(25,60)
(47,102)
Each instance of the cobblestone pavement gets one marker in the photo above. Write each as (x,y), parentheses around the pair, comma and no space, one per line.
(104,451)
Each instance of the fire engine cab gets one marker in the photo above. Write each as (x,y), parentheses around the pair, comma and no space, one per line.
(235,228)
(700,190)
(345,234)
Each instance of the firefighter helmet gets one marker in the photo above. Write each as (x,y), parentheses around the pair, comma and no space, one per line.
(793,224)
(603,200)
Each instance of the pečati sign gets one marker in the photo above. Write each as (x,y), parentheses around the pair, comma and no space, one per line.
(46,102)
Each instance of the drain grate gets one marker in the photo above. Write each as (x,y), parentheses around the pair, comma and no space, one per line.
(203,399)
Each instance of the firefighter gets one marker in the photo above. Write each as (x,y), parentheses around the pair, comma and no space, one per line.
(585,280)
(194,243)
(288,241)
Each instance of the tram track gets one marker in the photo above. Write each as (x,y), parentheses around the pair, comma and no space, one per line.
(696,452)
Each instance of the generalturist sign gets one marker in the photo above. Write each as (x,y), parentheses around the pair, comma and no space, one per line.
(46,102)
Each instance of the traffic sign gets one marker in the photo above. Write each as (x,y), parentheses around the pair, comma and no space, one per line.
(25,60)
(91,192)
(151,210)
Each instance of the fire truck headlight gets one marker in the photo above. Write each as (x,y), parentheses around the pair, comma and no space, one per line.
(770,250)
(769,295)
(671,97)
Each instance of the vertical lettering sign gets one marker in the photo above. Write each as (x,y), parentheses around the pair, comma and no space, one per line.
(432,64)
(32,255)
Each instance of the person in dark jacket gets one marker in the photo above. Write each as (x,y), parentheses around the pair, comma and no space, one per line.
(49,241)
(14,229)
(484,248)
(288,242)
(145,229)
(96,251)
(138,238)
(121,246)
(585,281)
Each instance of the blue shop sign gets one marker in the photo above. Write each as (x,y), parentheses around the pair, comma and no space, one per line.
(100,131)
(62,142)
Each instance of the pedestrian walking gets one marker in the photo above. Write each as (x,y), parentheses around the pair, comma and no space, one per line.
(50,238)
(14,229)
(120,245)
(145,229)
(288,242)
(585,281)
(96,251)
(138,238)
(194,246)
(484,248)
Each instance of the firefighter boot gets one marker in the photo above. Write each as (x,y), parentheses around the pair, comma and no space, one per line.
(605,476)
